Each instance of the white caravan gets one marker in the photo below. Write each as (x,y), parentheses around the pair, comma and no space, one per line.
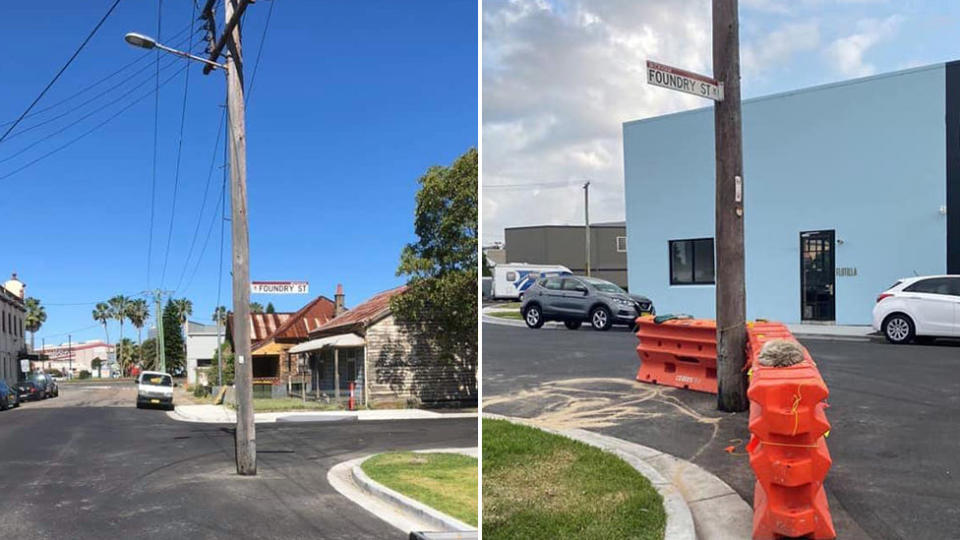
(511,279)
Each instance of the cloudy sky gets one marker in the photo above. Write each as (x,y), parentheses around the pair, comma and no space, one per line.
(561,76)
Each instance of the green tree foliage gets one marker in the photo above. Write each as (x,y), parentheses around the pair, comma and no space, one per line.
(138,313)
(119,308)
(270,308)
(441,266)
(102,314)
(173,343)
(127,351)
(97,364)
(148,350)
(219,314)
(256,307)
(228,370)
(36,316)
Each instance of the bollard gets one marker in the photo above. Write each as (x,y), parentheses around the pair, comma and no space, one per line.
(350,403)
(787,449)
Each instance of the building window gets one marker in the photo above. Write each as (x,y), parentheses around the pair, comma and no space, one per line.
(691,262)
(511,276)
(621,244)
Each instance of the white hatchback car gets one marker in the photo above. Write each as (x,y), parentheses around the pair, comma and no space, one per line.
(154,388)
(924,307)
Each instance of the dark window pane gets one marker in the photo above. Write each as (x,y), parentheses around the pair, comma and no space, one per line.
(553,283)
(572,285)
(931,286)
(703,261)
(681,261)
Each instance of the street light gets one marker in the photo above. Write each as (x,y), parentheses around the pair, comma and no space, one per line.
(147,42)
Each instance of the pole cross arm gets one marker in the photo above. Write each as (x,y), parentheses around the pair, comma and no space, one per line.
(227,31)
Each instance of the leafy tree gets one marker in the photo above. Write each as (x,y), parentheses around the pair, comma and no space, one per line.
(228,369)
(101,314)
(184,309)
(148,354)
(138,314)
(441,266)
(36,316)
(173,343)
(256,307)
(97,364)
(270,308)
(487,269)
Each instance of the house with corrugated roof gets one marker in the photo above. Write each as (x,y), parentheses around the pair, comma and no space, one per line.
(386,361)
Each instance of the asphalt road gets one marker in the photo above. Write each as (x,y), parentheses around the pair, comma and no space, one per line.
(90,465)
(894,410)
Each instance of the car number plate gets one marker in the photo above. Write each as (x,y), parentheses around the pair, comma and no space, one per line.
(154,401)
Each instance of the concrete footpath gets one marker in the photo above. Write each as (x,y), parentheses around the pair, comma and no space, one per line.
(220,414)
(698,504)
(400,511)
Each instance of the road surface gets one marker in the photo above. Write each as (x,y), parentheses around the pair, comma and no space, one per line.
(90,465)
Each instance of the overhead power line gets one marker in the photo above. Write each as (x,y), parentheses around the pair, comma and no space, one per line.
(64,68)
(256,63)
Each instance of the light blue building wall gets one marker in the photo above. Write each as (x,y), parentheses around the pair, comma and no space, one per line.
(865,158)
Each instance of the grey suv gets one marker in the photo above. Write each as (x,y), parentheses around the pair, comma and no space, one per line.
(577,299)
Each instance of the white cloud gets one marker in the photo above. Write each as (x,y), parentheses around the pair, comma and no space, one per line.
(558,82)
(776,47)
(846,54)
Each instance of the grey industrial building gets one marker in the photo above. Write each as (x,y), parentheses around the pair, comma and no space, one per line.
(565,245)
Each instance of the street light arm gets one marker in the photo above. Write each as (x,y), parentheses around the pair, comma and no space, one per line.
(213,65)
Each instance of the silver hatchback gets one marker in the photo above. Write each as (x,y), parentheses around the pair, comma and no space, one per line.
(578,299)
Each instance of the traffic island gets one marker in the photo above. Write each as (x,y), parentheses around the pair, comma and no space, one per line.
(543,485)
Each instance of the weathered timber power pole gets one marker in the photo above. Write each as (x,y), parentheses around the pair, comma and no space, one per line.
(730,289)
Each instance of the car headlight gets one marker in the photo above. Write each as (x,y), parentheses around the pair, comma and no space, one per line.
(623,302)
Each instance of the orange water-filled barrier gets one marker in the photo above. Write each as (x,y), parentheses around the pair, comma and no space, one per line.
(678,352)
(788,449)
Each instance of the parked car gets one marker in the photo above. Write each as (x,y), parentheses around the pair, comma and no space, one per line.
(578,299)
(920,308)
(29,391)
(154,388)
(9,397)
(46,383)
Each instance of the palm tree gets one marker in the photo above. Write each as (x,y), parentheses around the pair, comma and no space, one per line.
(119,305)
(102,314)
(36,316)
(219,314)
(126,350)
(138,314)
(183,308)
(256,307)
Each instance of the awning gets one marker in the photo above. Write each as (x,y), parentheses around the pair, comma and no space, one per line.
(339,342)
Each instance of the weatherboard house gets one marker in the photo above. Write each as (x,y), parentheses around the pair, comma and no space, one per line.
(388,362)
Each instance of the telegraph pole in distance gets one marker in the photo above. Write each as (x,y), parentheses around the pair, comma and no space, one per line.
(730,289)
(586,220)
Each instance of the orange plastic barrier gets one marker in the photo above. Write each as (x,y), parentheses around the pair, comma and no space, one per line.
(759,332)
(679,352)
(788,449)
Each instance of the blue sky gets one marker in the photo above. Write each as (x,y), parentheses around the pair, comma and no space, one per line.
(351,103)
(561,76)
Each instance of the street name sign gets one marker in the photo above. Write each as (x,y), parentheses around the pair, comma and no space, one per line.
(280,287)
(684,81)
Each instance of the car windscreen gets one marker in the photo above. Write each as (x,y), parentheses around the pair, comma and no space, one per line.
(156,380)
(603,285)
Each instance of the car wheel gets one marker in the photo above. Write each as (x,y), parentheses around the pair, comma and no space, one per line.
(572,325)
(600,318)
(533,317)
(898,329)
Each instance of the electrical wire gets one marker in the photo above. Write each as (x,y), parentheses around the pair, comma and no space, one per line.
(256,63)
(64,68)
(176,176)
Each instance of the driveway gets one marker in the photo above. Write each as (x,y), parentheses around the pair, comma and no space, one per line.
(90,465)
(893,411)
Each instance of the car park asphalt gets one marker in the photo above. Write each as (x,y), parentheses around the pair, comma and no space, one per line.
(893,410)
(90,465)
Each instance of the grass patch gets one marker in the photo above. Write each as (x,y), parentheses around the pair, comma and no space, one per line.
(506,315)
(289,404)
(540,485)
(447,482)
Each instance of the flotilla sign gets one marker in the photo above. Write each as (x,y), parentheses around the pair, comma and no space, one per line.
(280,287)
(684,81)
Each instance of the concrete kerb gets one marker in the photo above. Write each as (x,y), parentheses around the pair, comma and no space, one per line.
(219,414)
(397,509)
(697,503)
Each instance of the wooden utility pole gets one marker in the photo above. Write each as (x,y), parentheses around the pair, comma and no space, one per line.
(246,442)
(731,293)
(586,220)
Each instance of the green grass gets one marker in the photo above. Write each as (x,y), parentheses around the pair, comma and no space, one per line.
(289,404)
(446,482)
(539,485)
(508,305)
(506,315)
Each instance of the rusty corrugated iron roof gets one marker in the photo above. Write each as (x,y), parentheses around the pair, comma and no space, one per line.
(372,309)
